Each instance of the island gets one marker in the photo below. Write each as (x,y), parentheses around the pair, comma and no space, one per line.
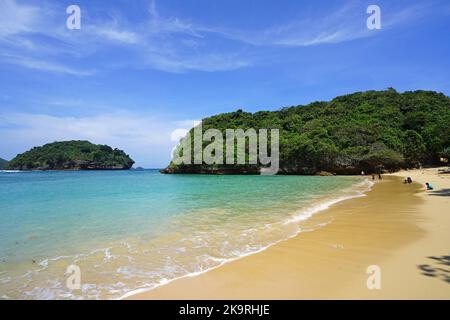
(71,155)
(370,131)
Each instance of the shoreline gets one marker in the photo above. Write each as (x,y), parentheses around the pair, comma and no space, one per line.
(330,263)
(359,190)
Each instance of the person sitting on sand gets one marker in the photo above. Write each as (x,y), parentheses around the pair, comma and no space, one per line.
(429,186)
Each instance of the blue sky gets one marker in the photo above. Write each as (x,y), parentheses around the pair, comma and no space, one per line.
(138,70)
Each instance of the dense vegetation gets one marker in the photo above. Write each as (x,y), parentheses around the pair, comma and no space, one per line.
(367,131)
(3,163)
(71,155)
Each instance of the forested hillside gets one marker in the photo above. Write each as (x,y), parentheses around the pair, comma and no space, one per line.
(367,131)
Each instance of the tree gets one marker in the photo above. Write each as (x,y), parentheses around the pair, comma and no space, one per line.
(414,147)
(71,155)
(357,131)
(381,156)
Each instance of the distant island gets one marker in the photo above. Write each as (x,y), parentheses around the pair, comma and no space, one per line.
(364,131)
(3,163)
(71,155)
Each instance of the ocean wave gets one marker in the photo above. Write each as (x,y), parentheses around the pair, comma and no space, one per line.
(350,193)
(358,190)
(136,273)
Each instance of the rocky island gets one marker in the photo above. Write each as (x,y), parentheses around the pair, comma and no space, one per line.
(364,131)
(71,155)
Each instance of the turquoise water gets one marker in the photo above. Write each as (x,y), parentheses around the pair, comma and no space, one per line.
(138,229)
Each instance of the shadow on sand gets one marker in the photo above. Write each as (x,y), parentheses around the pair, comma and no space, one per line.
(441,192)
(439,268)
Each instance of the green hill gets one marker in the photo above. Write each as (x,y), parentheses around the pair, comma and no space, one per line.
(360,131)
(71,155)
(3,163)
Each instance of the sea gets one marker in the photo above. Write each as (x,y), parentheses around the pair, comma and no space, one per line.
(135,230)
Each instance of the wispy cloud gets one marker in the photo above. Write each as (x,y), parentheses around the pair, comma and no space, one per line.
(43,65)
(15,18)
(36,40)
(163,43)
(170,25)
(120,36)
(340,25)
(19,25)
(147,138)
(170,44)
(173,62)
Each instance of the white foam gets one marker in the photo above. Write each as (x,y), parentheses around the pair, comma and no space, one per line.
(206,263)
(309,212)
(363,187)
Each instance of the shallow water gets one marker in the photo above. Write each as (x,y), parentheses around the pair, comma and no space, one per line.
(139,229)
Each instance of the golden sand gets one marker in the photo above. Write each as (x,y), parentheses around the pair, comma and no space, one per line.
(401,228)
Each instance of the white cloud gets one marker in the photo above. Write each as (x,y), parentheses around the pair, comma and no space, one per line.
(145,138)
(176,63)
(163,43)
(344,24)
(15,18)
(163,25)
(67,102)
(36,64)
(178,134)
(113,30)
(183,128)
(120,36)
(189,124)
(19,24)
(169,43)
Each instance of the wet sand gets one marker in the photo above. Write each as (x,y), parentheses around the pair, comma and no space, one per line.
(400,228)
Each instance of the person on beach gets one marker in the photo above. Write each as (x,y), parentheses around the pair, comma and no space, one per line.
(380,170)
(373,176)
(429,186)
(408,180)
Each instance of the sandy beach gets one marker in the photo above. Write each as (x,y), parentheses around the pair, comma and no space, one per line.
(400,228)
